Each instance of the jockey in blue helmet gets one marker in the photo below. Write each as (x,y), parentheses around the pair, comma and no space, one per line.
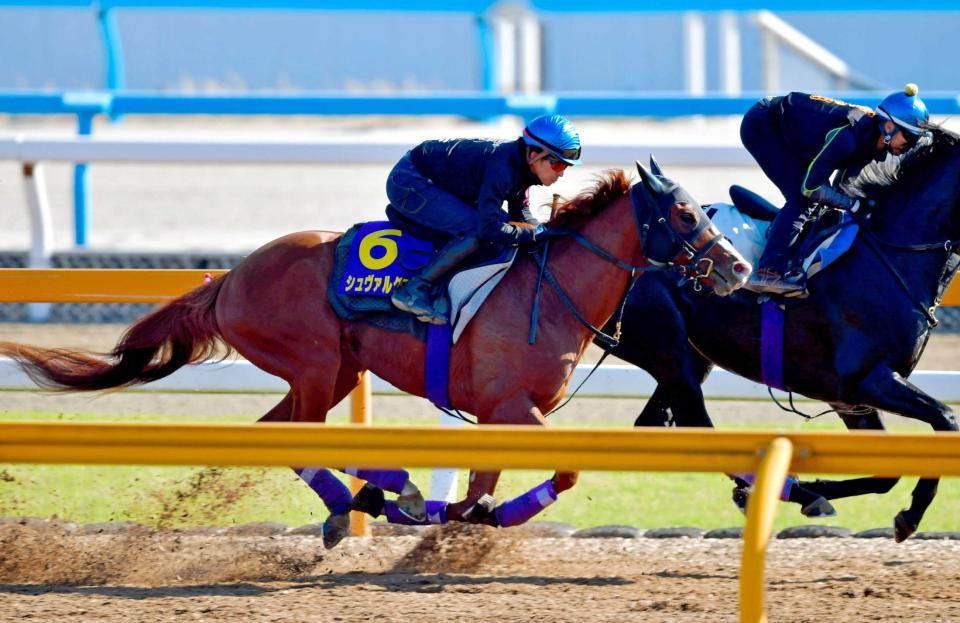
(800,140)
(456,188)
(905,113)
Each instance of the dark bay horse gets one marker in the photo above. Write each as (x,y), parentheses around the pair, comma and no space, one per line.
(852,343)
(273,309)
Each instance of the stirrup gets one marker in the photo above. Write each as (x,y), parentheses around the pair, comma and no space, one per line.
(773,283)
(440,313)
(414,297)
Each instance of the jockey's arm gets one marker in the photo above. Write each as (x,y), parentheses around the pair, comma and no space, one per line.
(838,147)
(496,188)
(519,209)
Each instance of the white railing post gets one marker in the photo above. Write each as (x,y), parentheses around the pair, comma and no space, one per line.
(730,60)
(694,53)
(775,31)
(531,70)
(41,230)
(505,41)
(443,480)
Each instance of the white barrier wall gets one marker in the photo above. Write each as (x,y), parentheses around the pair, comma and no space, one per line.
(609,381)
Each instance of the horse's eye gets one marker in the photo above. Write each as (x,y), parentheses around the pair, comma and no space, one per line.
(689,218)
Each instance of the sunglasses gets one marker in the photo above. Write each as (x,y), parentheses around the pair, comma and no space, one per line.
(909,137)
(556,164)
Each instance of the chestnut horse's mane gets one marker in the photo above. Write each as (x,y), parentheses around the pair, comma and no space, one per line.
(610,186)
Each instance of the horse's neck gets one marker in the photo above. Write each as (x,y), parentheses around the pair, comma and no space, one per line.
(595,285)
(921,219)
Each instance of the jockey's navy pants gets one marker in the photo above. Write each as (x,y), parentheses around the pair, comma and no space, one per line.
(420,201)
(760,134)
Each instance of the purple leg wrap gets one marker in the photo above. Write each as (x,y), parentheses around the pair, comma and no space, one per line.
(787,484)
(520,509)
(391,480)
(335,495)
(436,514)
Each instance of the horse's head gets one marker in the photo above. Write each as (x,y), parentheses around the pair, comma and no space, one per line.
(676,229)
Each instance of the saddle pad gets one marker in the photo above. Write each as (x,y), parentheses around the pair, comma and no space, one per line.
(374,307)
(470,288)
(833,246)
(361,292)
(381,258)
(747,234)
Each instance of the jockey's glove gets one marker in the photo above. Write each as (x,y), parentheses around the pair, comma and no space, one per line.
(834,198)
(543,232)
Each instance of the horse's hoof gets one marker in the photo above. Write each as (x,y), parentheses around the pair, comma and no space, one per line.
(904,526)
(369,499)
(482,512)
(820,507)
(335,529)
(412,504)
(741,495)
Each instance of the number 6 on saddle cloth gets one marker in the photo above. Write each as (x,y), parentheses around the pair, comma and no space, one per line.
(374,258)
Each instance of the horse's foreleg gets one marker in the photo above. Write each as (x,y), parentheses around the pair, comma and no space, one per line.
(518,410)
(887,390)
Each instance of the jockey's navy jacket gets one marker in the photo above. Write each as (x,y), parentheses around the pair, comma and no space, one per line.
(830,135)
(484,174)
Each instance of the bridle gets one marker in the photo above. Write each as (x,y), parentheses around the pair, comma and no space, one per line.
(696,268)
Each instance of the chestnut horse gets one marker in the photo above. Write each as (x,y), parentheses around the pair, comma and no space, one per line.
(273,309)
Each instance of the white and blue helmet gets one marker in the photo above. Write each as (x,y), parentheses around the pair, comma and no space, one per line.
(906,110)
(556,135)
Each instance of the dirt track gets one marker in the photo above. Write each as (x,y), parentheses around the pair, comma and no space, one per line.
(472,574)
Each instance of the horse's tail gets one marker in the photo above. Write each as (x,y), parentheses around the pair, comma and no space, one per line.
(181,332)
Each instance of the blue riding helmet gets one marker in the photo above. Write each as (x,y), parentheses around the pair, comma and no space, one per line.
(906,110)
(556,135)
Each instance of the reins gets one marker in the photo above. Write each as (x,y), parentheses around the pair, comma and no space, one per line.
(541,253)
(948,246)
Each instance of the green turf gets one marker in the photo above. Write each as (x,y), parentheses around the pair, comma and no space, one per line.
(193,496)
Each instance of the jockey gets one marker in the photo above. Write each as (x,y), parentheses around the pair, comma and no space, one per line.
(457,187)
(800,140)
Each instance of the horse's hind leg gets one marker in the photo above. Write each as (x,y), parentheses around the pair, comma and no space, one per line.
(859,417)
(887,390)
(410,502)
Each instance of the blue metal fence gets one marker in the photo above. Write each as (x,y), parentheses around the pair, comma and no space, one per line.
(87,105)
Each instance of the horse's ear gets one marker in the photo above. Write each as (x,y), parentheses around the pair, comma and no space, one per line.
(655,167)
(654,185)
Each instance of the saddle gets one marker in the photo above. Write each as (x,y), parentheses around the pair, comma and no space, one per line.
(827,234)
(374,258)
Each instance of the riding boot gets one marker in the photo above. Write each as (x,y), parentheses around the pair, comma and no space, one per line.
(416,295)
(771,274)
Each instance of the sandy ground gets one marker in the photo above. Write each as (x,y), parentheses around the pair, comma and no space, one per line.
(461,574)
